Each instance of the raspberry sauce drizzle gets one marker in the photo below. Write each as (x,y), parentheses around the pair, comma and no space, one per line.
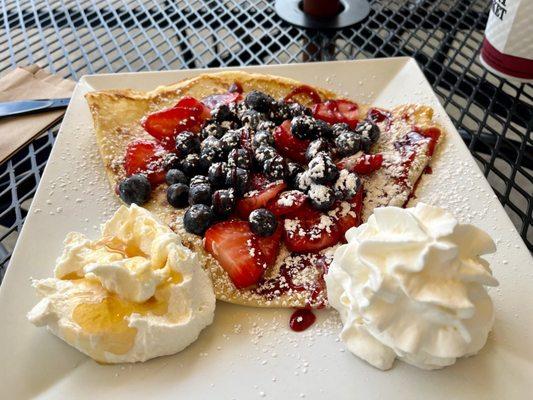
(285,281)
(410,145)
(305,90)
(302,319)
(378,115)
(235,87)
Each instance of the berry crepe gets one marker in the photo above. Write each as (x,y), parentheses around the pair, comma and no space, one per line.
(261,175)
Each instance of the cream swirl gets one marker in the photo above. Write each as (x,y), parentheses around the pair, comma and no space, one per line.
(134,294)
(410,284)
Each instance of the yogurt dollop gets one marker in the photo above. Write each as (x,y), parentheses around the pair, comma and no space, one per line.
(134,294)
(410,284)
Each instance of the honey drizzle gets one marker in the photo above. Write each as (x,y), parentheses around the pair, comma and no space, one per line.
(107,320)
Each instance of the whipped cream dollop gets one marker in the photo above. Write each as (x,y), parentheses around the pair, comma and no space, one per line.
(134,294)
(409,284)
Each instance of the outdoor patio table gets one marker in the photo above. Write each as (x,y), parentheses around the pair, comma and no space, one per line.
(73,37)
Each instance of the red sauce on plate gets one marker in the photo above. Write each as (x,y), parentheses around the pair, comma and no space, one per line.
(302,319)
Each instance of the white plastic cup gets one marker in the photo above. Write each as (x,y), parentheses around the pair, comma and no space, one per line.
(508,45)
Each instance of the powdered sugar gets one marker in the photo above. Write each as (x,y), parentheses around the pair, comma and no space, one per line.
(287,199)
(319,192)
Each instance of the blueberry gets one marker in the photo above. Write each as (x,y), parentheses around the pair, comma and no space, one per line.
(230,141)
(252,118)
(239,108)
(210,141)
(323,129)
(198,180)
(304,127)
(200,194)
(281,112)
(263,153)
(274,168)
(368,128)
(292,170)
(322,170)
(191,165)
(238,179)
(175,176)
(300,126)
(262,222)
(217,174)
(302,182)
(239,158)
(266,126)
(366,144)
(178,195)
(321,197)
(135,189)
(171,161)
(259,101)
(348,143)
(187,143)
(211,153)
(223,202)
(198,218)
(315,147)
(347,185)
(213,129)
(339,128)
(223,113)
(262,137)
(297,109)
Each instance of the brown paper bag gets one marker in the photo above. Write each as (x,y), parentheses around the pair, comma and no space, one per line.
(24,83)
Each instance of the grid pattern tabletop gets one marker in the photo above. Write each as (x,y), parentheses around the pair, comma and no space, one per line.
(74,37)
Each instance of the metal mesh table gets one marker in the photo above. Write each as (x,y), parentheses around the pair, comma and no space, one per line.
(74,37)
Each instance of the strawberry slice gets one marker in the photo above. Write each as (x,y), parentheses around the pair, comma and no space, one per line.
(288,145)
(311,235)
(305,211)
(368,163)
(144,156)
(196,106)
(287,203)
(337,111)
(215,100)
(258,199)
(348,218)
(243,255)
(362,164)
(188,115)
(268,247)
(309,231)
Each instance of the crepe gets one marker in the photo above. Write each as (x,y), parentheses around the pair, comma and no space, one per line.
(117,118)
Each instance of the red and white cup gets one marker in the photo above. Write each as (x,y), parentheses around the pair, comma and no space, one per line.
(508,45)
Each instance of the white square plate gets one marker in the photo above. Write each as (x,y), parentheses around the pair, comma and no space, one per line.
(247,352)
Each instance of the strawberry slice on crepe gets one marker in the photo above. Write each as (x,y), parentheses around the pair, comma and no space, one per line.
(242,254)
(288,145)
(187,115)
(337,111)
(146,157)
(258,198)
